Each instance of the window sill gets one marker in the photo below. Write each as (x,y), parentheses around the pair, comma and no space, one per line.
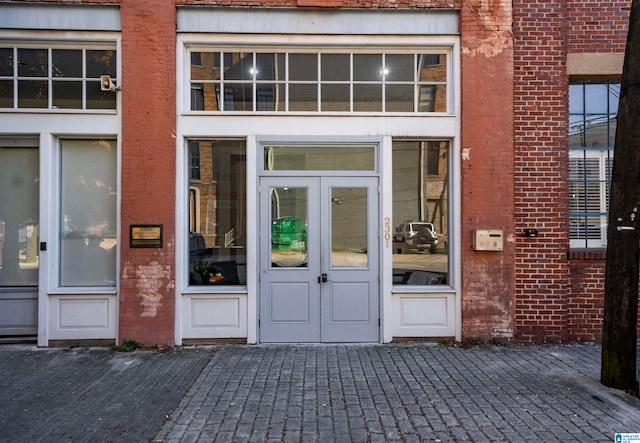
(587,254)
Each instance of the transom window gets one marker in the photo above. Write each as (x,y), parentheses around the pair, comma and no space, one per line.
(332,82)
(56,78)
(593,108)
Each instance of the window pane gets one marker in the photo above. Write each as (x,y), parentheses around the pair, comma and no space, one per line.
(33,62)
(335,67)
(576,131)
(270,97)
(33,93)
(238,97)
(67,63)
(349,228)
(101,62)
(399,98)
(367,67)
(217,213)
(614,98)
(289,215)
(398,68)
(205,66)
(596,98)
(420,212)
(303,97)
(432,68)
(88,220)
(596,131)
(6,62)
(335,98)
(205,97)
(319,158)
(6,93)
(270,67)
(240,68)
(367,98)
(19,190)
(98,99)
(303,67)
(576,99)
(67,95)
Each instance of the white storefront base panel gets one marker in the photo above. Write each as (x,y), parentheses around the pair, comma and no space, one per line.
(211,316)
(424,315)
(82,317)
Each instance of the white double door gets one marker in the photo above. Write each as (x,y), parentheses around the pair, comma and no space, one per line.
(319,260)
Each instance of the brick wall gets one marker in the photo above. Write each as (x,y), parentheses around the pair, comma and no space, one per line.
(557,299)
(147,297)
(487,167)
(541,165)
(597,26)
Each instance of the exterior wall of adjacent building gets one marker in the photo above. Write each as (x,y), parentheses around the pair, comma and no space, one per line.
(559,291)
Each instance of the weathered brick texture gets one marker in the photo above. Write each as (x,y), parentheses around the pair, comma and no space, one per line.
(147,296)
(487,167)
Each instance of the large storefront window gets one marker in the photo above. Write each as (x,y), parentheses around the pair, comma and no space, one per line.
(217,212)
(88,213)
(420,212)
(593,108)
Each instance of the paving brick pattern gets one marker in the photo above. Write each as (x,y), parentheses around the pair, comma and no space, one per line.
(91,395)
(403,393)
(335,393)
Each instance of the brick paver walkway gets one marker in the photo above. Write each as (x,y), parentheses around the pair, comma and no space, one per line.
(408,393)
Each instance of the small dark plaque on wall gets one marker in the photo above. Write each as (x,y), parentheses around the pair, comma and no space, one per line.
(146,236)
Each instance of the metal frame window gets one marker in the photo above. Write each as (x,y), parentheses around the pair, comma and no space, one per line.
(593,107)
(38,77)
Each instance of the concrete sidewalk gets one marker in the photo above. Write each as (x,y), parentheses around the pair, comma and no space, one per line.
(353,393)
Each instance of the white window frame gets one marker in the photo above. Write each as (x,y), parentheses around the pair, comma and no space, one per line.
(605,160)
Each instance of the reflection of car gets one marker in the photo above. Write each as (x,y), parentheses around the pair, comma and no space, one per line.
(417,235)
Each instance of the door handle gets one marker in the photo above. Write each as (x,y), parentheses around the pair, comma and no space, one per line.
(323,278)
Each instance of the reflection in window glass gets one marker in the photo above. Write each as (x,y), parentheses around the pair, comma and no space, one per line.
(6,62)
(33,62)
(52,78)
(593,108)
(217,212)
(319,158)
(318,82)
(19,190)
(88,216)
(289,216)
(349,228)
(420,212)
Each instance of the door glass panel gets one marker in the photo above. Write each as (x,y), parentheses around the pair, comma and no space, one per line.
(19,184)
(289,215)
(319,158)
(349,228)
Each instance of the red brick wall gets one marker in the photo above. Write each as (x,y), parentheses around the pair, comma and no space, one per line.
(585,306)
(597,26)
(541,164)
(147,297)
(487,167)
(557,299)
